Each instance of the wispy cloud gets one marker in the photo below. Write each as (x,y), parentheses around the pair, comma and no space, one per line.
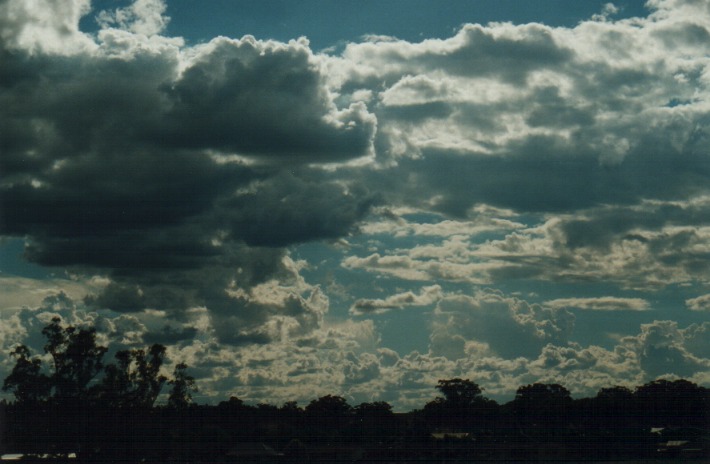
(604,303)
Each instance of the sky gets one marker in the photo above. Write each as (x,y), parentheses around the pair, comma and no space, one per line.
(360,198)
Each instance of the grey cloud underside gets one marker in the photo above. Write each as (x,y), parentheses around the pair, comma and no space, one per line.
(105,150)
(116,161)
(236,98)
(546,174)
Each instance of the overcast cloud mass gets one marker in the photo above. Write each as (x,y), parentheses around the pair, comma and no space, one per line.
(511,203)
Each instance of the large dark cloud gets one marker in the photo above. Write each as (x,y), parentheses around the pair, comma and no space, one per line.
(128,155)
(264,100)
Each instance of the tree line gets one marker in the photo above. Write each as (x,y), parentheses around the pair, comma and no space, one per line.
(79,403)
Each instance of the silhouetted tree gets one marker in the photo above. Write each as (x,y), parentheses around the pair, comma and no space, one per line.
(459,393)
(463,406)
(53,409)
(542,409)
(374,421)
(183,386)
(329,406)
(615,406)
(76,360)
(677,403)
(26,381)
(135,379)
(291,408)
(328,415)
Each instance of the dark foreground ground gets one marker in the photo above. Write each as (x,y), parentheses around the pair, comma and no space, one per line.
(439,451)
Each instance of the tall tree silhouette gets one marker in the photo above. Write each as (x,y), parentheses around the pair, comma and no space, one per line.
(76,360)
(183,386)
(26,381)
(135,379)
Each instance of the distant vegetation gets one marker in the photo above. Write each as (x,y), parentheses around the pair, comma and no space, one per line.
(80,404)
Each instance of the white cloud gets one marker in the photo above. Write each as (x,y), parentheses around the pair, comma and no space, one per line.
(701,303)
(605,303)
(427,296)
(22,292)
(144,17)
(45,26)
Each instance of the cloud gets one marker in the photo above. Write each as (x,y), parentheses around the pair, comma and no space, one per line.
(20,292)
(141,17)
(662,349)
(567,126)
(174,180)
(221,101)
(171,170)
(510,327)
(646,246)
(428,295)
(348,358)
(607,303)
(44,26)
(701,303)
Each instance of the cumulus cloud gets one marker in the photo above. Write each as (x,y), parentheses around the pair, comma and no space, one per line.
(510,327)
(663,348)
(141,17)
(222,101)
(701,303)
(172,180)
(572,123)
(44,26)
(175,171)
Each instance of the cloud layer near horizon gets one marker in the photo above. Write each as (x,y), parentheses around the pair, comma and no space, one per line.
(175,181)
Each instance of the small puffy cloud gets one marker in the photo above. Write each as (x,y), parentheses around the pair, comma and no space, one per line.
(141,17)
(427,296)
(701,303)
(606,303)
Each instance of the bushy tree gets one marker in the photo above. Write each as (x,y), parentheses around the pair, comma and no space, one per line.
(463,406)
(674,403)
(461,393)
(328,414)
(542,409)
